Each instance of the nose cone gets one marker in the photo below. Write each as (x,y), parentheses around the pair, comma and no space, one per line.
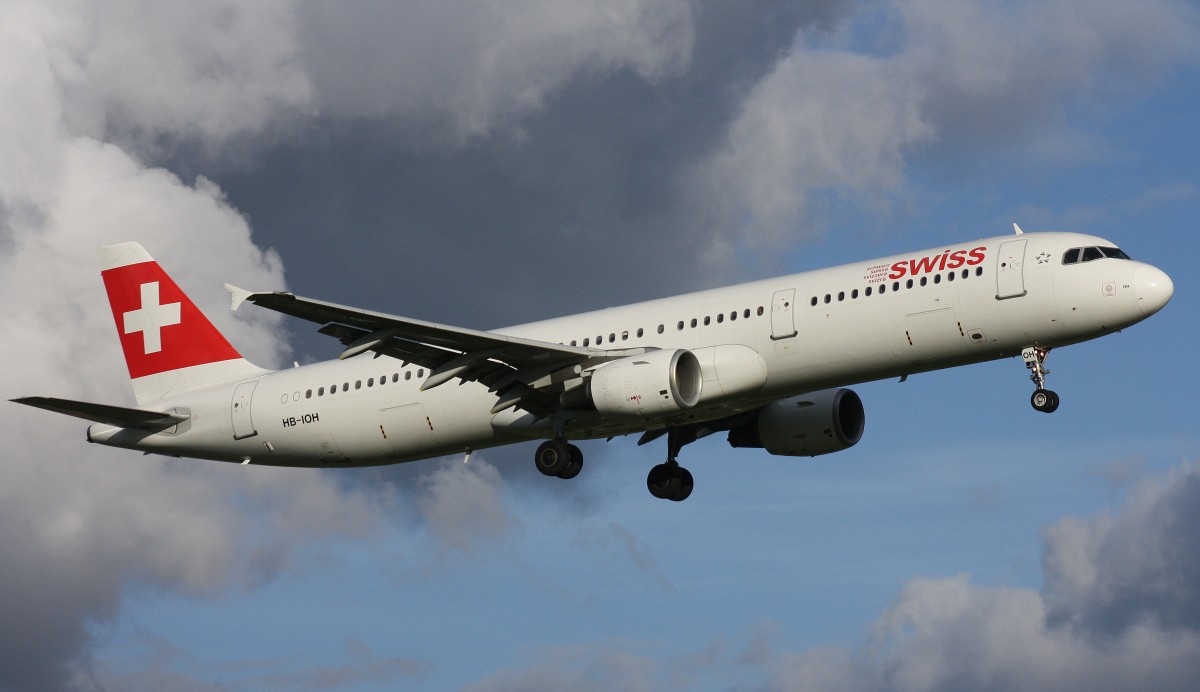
(1153,289)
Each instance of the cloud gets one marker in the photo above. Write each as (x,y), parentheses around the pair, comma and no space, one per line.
(949,85)
(463,505)
(465,71)
(1118,611)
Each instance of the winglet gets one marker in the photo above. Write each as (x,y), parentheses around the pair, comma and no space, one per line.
(237,296)
(1017,228)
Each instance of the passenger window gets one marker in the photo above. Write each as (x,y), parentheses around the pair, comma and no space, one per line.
(320,391)
(733,316)
(345,386)
(966,273)
(694,323)
(937,278)
(707,321)
(661,328)
(358,384)
(625,335)
(950,276)
(308,394)
(908,284)
(882,288)
(853,294)
(924,280)
(612,338)
(421,372)
(408,373)
(720,317)
(586,341)
(978,271)
(370,381)
(760,311)
(868,291)
(828,298)
(746,314)
(841,296)
(680,325)
(599,339)
(814,301)
(573,342)
(895,285)
(395,377)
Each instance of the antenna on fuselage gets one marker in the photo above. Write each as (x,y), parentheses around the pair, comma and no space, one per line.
(1017,228)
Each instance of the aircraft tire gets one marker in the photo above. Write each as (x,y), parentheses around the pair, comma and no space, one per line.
(1044,400)
(662,482)
(574,464)
(552,457)
(684,485)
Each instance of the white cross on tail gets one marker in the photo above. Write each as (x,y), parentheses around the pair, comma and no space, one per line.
(151,318)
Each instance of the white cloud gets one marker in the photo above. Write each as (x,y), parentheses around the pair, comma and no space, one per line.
(957,78)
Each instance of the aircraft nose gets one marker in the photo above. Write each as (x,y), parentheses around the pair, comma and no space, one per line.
(1153,288)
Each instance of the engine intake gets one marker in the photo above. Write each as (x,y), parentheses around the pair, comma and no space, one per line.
(805,426)
(651,384)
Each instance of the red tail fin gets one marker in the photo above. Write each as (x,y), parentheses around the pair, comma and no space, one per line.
(161,330)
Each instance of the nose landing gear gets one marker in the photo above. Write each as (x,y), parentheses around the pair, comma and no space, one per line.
(1043,399)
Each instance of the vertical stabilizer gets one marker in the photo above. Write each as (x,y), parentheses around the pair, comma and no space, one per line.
(170,346)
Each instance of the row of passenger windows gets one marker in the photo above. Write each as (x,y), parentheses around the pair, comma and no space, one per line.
(1088,254)
(358,384)
(679,326)
(896,285)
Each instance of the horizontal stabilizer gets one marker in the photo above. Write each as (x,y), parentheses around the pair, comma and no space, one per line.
(103,413)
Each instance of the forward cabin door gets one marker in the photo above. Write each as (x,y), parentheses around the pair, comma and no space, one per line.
(243,424)
(1010,270)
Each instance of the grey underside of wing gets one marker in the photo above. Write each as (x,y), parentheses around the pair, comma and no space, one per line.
(104,413)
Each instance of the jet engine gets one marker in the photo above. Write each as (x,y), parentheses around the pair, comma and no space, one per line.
(651,384)
(805,426)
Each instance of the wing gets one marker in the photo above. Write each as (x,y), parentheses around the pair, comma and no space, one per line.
(524,373)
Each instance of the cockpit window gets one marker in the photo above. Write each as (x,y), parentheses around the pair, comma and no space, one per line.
(1087,254)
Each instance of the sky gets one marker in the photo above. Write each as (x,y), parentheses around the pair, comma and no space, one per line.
(490,163)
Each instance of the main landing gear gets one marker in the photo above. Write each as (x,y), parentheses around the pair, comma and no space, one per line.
(670,481)
(667,481)
(1043,399)
(559,458)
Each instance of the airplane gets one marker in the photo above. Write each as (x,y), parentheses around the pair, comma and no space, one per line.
(766,362)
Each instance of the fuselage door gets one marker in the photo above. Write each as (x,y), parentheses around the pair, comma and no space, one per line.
(1010,270)
(243,424)
(783,326)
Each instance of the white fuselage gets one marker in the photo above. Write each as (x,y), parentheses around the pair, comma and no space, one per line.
(757,342)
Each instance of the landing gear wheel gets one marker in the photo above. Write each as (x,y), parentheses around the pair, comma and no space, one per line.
(553,457)
(669,482)
(1044,400)
(661,482)
(685,485)
(574,464)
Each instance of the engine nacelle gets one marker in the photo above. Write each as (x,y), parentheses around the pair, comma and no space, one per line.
(651,384)
(805,426)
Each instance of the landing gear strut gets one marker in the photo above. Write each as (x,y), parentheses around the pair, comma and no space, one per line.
(558,458)
(1043,399)
(670,481)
